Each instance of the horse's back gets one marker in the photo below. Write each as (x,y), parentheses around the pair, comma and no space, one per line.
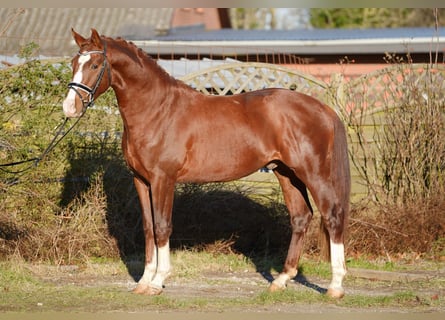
(287,105)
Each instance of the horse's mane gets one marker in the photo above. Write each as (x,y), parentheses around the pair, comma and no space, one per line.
(142,57)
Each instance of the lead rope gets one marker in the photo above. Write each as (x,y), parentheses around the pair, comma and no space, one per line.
(54,142)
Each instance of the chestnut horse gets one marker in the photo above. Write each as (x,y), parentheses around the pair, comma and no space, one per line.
(172,133)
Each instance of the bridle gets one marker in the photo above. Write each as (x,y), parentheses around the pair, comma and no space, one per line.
(76,86)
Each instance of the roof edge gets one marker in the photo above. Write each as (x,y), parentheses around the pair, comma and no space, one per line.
(347,46)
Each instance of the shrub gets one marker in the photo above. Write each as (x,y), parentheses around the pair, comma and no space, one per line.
(397,130)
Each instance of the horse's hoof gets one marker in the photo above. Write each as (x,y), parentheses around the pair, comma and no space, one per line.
(335,293)
(147,290)
(140,289)
(275,287)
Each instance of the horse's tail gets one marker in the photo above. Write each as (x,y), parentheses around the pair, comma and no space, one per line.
(341,181)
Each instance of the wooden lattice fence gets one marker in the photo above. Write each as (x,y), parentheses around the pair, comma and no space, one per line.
(240,77)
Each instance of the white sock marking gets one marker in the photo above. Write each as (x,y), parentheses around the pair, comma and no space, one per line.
(281,280)
(338,265)
(158,269)
(150,269)
(163,269)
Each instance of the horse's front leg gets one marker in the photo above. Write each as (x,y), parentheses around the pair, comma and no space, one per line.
(156,204)
(162,198)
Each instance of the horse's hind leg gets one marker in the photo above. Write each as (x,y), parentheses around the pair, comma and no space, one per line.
(300,211)
(334,220)
(334,214)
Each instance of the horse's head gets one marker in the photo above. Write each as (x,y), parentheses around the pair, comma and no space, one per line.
(91,74)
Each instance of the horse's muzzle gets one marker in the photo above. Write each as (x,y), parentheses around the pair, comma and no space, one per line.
(70,110)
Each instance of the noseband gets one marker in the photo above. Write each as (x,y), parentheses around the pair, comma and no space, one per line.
(76,86)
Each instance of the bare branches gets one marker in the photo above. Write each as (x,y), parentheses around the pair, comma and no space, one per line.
(396,129)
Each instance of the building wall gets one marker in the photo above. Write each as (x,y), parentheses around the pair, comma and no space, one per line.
(209,17)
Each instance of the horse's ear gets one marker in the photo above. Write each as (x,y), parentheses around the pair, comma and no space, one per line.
(95,39)
(78,38)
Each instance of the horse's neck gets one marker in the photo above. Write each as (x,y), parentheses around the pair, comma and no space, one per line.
(141,89)
(131,77)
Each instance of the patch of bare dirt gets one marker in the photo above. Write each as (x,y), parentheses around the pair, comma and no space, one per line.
(236,285)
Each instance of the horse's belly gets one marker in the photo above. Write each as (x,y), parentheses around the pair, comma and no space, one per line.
(203,176)
(217,169)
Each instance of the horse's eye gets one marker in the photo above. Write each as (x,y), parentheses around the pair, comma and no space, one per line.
(94,66)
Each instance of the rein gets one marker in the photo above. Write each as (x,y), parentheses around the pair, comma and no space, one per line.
(54,142)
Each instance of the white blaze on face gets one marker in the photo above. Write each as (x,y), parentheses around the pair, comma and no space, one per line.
(69,103)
